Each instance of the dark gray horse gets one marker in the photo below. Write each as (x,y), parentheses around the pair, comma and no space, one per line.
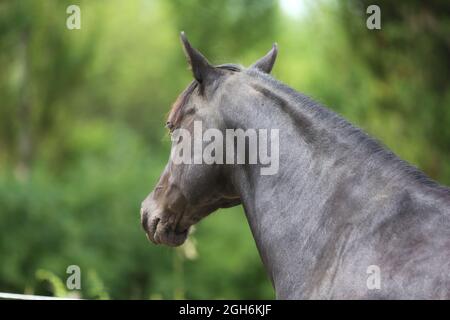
(342,218)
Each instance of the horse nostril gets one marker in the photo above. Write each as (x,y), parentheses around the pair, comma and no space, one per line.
(144,219)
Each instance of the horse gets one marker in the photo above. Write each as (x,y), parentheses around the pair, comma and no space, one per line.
(343,218)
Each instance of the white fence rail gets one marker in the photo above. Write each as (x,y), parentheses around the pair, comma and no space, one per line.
(16,296)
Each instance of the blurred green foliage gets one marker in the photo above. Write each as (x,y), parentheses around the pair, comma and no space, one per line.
(82,138)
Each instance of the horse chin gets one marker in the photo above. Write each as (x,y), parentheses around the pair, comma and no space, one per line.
(169,237)
(172,238)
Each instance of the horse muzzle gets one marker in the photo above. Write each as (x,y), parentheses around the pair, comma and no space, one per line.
(159,228)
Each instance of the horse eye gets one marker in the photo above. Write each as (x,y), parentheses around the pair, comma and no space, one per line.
(169,125)
(189,111)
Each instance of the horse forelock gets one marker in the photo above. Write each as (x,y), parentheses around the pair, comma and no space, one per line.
(176,111)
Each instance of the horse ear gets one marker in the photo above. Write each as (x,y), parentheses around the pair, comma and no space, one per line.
(265,64)
(200,66)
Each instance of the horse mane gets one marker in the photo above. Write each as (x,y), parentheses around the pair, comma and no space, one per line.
(361,139)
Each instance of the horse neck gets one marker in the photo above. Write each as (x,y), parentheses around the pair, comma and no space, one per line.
(287,212)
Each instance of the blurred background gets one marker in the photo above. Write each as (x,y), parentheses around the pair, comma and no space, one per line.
(82,137)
